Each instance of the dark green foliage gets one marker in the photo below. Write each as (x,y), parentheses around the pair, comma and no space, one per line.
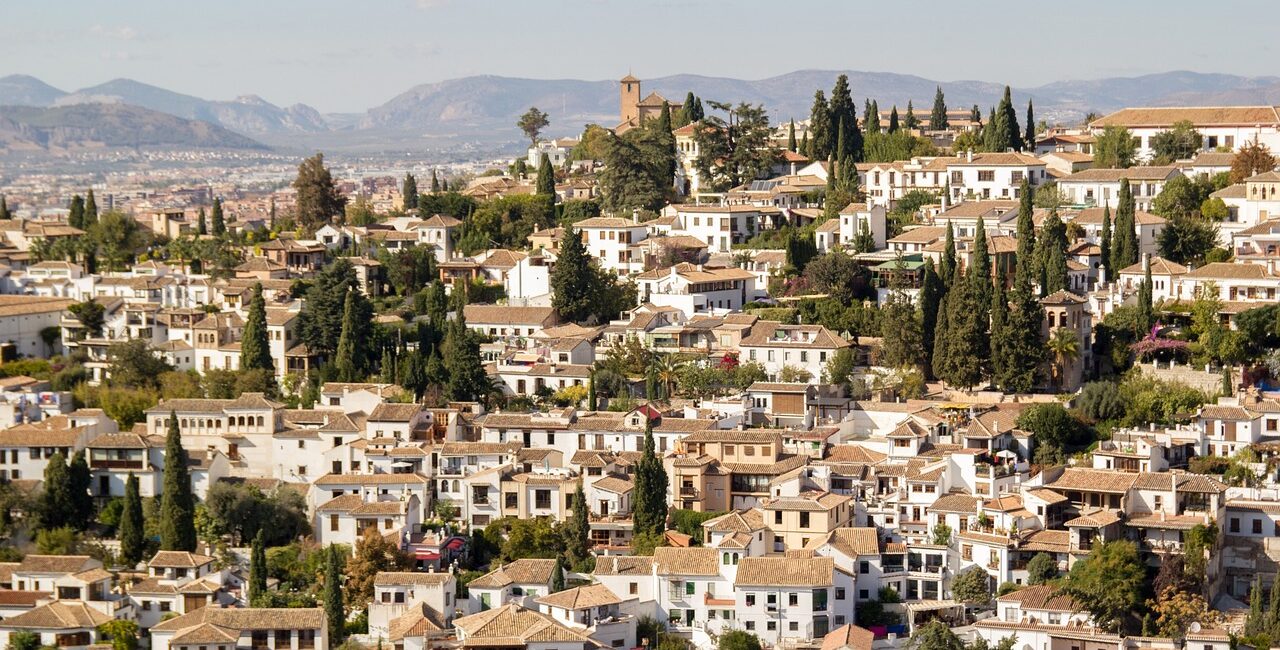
(1181,142)
(1104,243)
(966,337)
(452,204)
(635,176)
(820,130)
(1055,430)
(244,512)
(1053,254)
(557,577)
(1108,583)
(1029,139)
(1100,401)
(738,640)
(842,109)
(132,541)
(546,182)
(932,291)
(581,291)
(202,224)
(938,116)
(409,192)
(78,482)
(1124,243)
(55,505)
(466,378)
(219,222)
(505,222)
(735,151)
(532,122)
(972,587)
(837,275)
(948,268)
(334,612)
(75,216)
(90,210)
(177,505)
(893,120)
(255,351)
(258,566)
(410,269)
(318,199)
(911,121)
(791,141)
(321,320)
(352,353)
(1114,148)
(577,529)
(1188,239)
(871,117)
(1041,569)
(936,635)
(649,506)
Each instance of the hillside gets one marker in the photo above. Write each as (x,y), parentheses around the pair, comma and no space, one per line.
(81,126)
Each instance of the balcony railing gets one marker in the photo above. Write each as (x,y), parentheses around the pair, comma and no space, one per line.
(688,491)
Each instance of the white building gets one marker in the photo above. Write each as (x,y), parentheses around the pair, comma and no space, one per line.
(1220,126)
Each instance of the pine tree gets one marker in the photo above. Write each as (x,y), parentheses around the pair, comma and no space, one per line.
(932,291)
(1124,245)
(333,610)
(938,116)
(5,213)
(75,212)
(132,535)
(258,566)
(177,504)
(78,482)
(90,210)
(546,182)
(911,121)
(791,140)
(1104,243)
(219,224)
(435,182)
(820,129)
(1053,254)
(347,361)
(409,192)
(202,226)
(1030,137)
(841,106)
(255,350)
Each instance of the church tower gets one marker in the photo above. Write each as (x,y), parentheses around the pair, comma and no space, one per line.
(629,99)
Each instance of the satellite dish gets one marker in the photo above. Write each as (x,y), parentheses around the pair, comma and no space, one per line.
(1194,627)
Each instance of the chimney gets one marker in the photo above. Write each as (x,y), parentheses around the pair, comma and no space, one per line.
(968,155)
(1146,262)
(635,216)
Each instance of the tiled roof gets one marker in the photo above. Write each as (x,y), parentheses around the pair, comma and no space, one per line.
(58,615)
(1106,175)
(624,565)
(253,618)
(56,564)
(1041,597)
(514,625)
(411,578)
(508,315)
(1093,480)
(786,572)
(689,561)
(594,595)
(519,572)
(848,637)
(178,560)
(741,521)
(855,541)
(1201,116)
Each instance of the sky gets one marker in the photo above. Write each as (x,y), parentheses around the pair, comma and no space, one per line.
(348,56)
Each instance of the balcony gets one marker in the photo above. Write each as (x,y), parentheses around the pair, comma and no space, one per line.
(117,464)
(689,491)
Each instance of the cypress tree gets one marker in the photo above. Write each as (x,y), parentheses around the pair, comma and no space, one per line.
(132,536)
(271,215)
(557,577)
(463,366)
(941,361)
(90,210)
(819,128)
(1273,608)
(667,146)
(409,192)
(79,480)
(219,224)
(975,115)
(55,500)
(1012,134)
(177,504)
(996,135)
(1146,311)
(938,116)
(804,144)
(1021,348)
(931,295)
(791,139)
(841,107)
(258,566)
(545,185)
(387,366)
(346,361)
(966,336)
(873,118)
(1025,261)
(333,611)
(999,332)
(911,121)
(578,529)
(75,216)
(1104,243)
(5,214)
(893,119)
(1031,127)
(1124,245)
(1053,257)
(649,512)
(948,268)
(593,400)
(685,115)
(435,182)
(980,274)
(255,351)
(202,226)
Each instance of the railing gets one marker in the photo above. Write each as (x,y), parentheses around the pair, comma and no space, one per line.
(116,464)
(688,491)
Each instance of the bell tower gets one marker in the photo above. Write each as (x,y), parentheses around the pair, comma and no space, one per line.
(629,99)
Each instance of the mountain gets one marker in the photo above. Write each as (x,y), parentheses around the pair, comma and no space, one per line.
(24,90)
(83,126)
(487,105)
(248,114)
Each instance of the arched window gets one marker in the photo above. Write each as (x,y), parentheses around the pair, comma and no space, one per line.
(261,421)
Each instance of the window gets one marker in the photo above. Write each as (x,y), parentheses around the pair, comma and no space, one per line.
(839,593)
(771,626)
(1257,526)
(633,588)
(1235,524)
(793,626)
(751,625)
(777,517)
(542,499)
(333,522)
(688,588)
(751,600)
(793,599)
(729,449)
(864,567)
(804,520)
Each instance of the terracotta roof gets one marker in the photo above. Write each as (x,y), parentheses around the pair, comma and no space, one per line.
(1093,480)
(411,578)
(624,565)
(785,572)
(58,615)
(956,502)
(1094,518)
(614,484)
(1106,175)
(56,564)
(585,597)
(507,315)
(253,618)
(855,541)
(1159,266)
(520,572)
(848,637)
(1229,270)
(740,521)
(1201,116)
(1041,597)
(179,560)
(514,625)
(417,621)
(690,561)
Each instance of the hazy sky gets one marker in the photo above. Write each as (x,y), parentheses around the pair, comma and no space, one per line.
(351,55)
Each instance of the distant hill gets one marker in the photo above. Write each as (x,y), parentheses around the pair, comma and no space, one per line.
(24,90)
(483,109)
(83,126)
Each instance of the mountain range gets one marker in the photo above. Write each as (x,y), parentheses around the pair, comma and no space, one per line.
(35,129)
(485,108)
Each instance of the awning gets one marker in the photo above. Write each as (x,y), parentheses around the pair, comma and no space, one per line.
(454,544)
(426,555)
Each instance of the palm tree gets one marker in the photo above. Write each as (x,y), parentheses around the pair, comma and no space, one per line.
(1064,343)
(666,370)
